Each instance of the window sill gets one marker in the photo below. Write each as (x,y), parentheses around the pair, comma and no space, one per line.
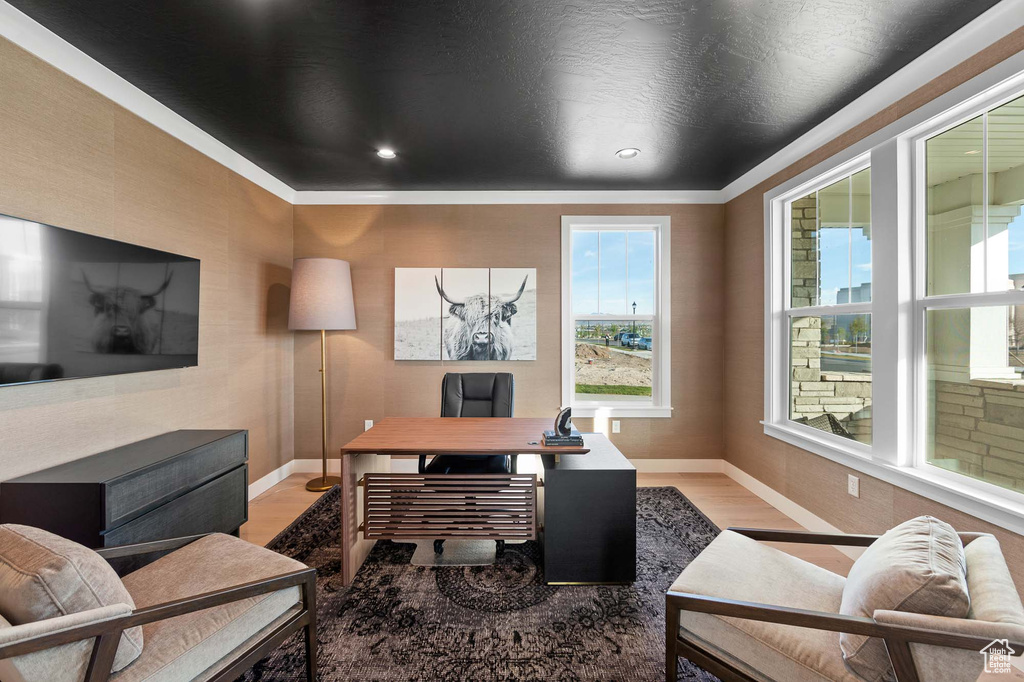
(599,411)
(999,508)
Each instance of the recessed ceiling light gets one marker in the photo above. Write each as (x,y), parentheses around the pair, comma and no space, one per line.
(386,153)
(973,151)
(627,153)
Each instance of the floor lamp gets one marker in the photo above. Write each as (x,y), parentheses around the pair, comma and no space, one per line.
(321,300)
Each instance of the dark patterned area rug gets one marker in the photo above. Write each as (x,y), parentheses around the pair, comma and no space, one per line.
(402,622)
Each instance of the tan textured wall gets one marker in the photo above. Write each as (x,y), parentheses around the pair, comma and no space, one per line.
(73,158)
(811,481)
(367,383)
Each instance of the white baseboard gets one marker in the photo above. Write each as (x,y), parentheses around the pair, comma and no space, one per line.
(315,466)
(678,466)
(296,466)
(257,488)
(405,465)
(804,517)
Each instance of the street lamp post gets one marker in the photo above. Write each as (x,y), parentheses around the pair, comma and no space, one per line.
(634,320)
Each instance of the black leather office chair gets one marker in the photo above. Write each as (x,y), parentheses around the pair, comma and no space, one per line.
(489,394)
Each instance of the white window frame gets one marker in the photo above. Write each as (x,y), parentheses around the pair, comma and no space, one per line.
(778,324)
(898,309)
(661,322)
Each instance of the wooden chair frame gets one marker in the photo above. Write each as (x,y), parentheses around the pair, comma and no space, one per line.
(897,638)
(107,633)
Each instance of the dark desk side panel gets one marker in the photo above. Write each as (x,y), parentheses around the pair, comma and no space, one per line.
(590,526)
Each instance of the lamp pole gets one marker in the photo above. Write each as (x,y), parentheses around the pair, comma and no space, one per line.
(634,317)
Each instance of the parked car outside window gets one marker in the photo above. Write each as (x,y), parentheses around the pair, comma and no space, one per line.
(646,343)
(629,339)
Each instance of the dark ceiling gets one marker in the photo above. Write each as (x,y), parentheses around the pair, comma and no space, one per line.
(513,94)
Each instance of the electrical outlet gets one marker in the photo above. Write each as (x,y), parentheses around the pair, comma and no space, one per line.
(367,424)
(616,426)
(853,485)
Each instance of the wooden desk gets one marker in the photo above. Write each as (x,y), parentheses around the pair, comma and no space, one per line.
(369,451)
(468,435)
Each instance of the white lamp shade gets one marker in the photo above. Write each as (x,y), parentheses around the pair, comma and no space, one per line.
(321,295)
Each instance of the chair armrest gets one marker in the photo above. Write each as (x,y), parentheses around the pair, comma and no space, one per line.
(305,577)
(51,632)
(820,620)
(806,537)
(770,613)
(147,547)
(114,619)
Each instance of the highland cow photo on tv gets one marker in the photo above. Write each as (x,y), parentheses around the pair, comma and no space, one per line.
(74,305)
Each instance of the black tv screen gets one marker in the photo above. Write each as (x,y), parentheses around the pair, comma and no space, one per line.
(73,305)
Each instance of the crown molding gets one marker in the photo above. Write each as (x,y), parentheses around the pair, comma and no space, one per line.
(328,198)
(993,25)
(35,38)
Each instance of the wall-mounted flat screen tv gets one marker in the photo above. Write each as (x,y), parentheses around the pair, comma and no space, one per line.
(73,305)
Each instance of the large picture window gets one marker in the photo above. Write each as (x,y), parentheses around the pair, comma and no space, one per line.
(970,303)
(894,302)
(615,300)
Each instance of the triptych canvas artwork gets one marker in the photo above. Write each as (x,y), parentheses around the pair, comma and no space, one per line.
(465,314)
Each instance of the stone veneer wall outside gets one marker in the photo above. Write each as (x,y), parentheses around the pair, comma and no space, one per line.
(846,395)
(979,429)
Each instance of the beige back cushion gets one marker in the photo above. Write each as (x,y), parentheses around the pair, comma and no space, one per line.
(996,613)
(43,575)
(918,566)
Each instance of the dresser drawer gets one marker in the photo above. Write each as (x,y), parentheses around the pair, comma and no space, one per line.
(133,495)
(217,506)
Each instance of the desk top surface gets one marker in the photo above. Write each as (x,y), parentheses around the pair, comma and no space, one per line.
(469,435)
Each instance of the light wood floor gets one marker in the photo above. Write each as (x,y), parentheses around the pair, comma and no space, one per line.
(722,499)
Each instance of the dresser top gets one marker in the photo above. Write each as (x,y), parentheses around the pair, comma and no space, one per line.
(126,459)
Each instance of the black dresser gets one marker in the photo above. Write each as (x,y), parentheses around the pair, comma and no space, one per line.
(180,483)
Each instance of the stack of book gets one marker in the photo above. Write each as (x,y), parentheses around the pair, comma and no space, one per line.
(575,439)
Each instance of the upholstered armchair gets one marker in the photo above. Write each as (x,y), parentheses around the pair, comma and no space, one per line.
(921,603)
(207,610)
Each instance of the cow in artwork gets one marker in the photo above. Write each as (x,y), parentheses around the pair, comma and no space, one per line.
(122,321)
(480,327)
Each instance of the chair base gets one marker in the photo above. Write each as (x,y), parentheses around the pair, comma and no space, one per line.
(695,654)
(499,547)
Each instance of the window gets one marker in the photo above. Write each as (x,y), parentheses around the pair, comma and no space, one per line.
(828,314)
(615,297)
(970,304)
(894,302)
(21,291)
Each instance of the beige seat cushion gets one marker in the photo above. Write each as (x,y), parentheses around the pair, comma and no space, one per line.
(187,647)
(736,567)
(917,567)
(65,663)
(43,575)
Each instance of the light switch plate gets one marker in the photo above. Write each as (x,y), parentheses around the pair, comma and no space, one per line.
(853,485)
(616,426)
(367,424)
